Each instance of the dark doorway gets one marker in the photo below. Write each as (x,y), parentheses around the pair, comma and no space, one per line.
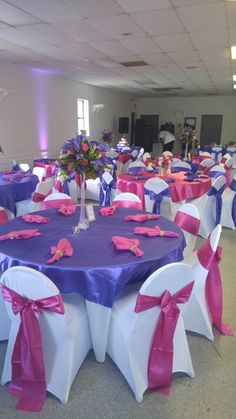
(211,129)
(146,131)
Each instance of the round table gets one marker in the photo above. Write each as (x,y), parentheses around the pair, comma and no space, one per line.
(180,189)
(16,187)
(96,270)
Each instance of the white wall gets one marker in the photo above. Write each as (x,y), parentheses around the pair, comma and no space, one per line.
(41,112)
(176,108)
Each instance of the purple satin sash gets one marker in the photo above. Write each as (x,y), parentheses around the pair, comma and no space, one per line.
(187,223)
(28,375)
(56,203)
(233,188)
(160,362)
(210,260)
(218,195)
(137,169)
(157,198)
(216,154)
(105,192)
(3,216)
(215,173)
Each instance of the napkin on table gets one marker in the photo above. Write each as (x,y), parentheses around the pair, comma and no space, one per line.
(67,209)
(20,234)
(106,211)
(63,248)
(123,243)
(39,219)
(141,217)
(156,231)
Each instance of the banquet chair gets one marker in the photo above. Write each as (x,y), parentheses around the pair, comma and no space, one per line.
(175,160)
(55,200)
(71,188)
(5,322)
(209,206)
(107,189)
(24,166)
(136,166)
(197,317)
(188,219)
(224,158)
(141,153)
(134,156)
(157,197)
(92,190)
(132,332)
(182,166)
(232,153)
(228,213)
(40,172)
(206,165)
(146,156)
(216,153)
(35,202)
(3,216)
(204,153)
(65,336)
(216,171)
(127,200)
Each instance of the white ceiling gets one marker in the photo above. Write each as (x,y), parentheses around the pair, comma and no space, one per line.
(185,43)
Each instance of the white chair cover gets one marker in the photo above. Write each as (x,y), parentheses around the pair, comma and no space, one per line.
(228,213)
(216,153)
(188,219)
(152,188)
(65,338)
(29,205)
(131,334)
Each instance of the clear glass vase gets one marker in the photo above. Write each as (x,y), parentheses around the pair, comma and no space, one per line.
(83,223)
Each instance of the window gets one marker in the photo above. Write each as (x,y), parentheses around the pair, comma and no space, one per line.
(83,115)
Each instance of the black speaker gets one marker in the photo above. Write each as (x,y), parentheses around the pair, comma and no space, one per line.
(123,125)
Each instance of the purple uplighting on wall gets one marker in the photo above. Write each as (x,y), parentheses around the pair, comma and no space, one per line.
(40,87)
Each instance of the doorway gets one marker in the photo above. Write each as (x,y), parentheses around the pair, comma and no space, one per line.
(211,129)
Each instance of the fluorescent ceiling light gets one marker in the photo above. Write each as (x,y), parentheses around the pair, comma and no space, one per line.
(234,77)
(233,52)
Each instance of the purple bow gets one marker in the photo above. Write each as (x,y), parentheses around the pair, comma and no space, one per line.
(218,195)
(157,198)
(105,192)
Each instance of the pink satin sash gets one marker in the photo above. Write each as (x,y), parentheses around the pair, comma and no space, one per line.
(187,222)
(128,204)
(3,216)
(28,375)
(56,203)
(160,361)
(210,260)
(38,197)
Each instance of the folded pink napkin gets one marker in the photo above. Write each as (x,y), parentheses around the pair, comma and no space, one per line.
(123,243)
(141,217)
(156,231)
(35,219)
(105,211)
(20,234)
(67,209)
(63,248)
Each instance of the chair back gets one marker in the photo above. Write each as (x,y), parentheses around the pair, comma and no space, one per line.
(188,219)
(55,200)
(40,172)
(43,189)
(216,171)
(127,200)
(214,202)
(204,153)
(107,186)
(24,166)
(216,153)
(175,160)
(182,166)
(157,197)
(136,166)
(229,163)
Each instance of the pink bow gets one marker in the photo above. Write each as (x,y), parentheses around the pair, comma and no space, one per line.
(141,217)
(35,219)
(161,352)
(20,234)
(210,260)
(63,248)
(28,375)
(123,243)
(106,211)
(156,231)
(67,209)
(38,197)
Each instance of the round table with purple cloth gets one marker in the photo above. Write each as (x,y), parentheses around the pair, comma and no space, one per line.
(16,187)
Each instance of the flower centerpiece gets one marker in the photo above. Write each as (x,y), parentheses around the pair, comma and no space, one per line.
(80,159)
(164,165)
(188,138)
(107,136)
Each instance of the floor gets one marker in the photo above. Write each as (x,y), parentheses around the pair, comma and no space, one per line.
(101,392)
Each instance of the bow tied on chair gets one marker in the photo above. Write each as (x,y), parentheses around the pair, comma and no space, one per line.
(28,375)
(105,192)
(218,195)
(160,361)
(157,198)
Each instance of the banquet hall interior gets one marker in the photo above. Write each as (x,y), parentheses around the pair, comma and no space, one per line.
(90,92)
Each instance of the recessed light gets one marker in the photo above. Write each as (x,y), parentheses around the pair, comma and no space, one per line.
(234,77)
(233,52)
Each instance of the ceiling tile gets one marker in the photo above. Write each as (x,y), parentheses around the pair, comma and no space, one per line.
(214,54)
(110,48)
(84,51)
(117,25)
(141,5)
(156,58)
(82,31)
(20,38)
(217,38)
(92,8)
(190,2)
(13,16)
(48,33)
(217,64)
(140,45)
(184,56)
(177,42)
(203,16)
(162,22)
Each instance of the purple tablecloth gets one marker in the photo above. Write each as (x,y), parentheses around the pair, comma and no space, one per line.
(16,187)
(96,270)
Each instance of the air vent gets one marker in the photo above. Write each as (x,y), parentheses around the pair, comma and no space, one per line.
(166,89)
(191,67)
(134,63)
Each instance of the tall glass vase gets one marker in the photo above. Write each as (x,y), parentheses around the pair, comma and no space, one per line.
(83,221)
